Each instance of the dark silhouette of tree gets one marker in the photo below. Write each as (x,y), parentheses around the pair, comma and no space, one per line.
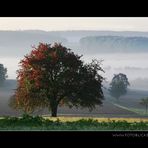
(3,74)
(144,102)
(118,85)
(52,75)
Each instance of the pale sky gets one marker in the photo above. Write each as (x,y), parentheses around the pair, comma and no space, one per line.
(74,23)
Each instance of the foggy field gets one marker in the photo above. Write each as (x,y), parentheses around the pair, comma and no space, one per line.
(106,110)
(109,109)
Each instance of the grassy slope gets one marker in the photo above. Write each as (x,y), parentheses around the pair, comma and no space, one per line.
(131,102)
(135,110)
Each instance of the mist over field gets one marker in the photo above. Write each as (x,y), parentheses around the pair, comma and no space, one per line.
(134,65)
(121,52)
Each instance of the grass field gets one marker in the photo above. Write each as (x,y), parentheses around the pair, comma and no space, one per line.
(71,119)
(131,102)
(139,111)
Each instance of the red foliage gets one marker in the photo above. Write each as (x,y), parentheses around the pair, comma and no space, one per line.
(31,66)
(48,72)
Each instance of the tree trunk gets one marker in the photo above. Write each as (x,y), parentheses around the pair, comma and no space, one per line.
(54,110)
(146,109)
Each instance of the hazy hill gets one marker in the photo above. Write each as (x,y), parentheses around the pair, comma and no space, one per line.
(75,36)
(18,43)
(109,44)
(19,38)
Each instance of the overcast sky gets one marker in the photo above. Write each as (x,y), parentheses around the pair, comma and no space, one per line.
(75,23)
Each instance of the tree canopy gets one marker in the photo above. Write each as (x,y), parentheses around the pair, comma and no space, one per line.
(52,75)
(118,85)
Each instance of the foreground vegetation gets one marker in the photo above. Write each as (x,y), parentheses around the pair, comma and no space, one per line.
(85,124)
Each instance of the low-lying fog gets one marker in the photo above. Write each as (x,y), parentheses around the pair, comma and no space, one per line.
(135,66)
(122,52)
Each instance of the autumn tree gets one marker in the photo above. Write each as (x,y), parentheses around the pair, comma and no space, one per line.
(52,75)
(118,85)
(3,74)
